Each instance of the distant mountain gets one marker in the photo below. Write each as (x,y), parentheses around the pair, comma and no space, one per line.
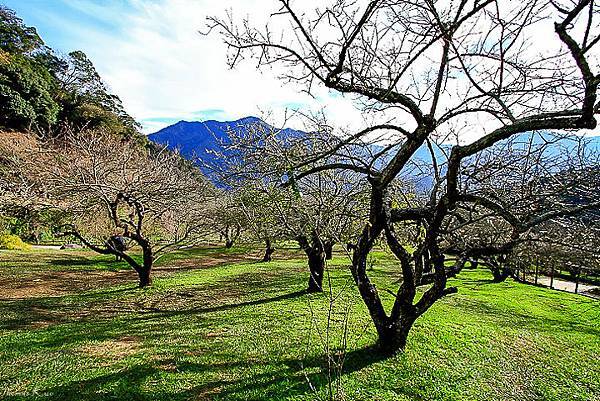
(201,140)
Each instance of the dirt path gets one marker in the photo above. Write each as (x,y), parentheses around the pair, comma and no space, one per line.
(53,283)
(569,286)
(46,247)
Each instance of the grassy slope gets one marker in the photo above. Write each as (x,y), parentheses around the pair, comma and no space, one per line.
(245,331)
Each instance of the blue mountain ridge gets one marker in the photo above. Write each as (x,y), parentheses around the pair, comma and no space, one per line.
(203,140)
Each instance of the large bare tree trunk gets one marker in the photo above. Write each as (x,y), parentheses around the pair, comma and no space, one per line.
(328,249)
(143,270)
(146,268)
(393,329)
(230,234)
(500,274)
(387,331)
(144,276)
(392,335)
(499,268)
(316,265)
(269,249)
(316,250)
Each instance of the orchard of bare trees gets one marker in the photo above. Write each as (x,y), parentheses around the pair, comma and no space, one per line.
(473,150)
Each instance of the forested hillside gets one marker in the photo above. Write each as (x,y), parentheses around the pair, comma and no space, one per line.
(47,93)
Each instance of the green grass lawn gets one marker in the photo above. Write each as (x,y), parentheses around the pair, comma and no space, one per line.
(246,331)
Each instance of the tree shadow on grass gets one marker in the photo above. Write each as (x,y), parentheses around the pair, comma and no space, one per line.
(272,377)
(97,322)
(44,311)
(98,262)
(125,384)
(40,312)
(294,377)
(288,377)
(157,313)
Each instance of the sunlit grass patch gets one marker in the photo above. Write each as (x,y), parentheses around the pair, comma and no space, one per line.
(245,330)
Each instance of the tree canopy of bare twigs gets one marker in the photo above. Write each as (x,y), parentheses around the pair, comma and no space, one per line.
(115,191)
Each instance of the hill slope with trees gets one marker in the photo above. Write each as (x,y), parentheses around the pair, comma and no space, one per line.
(46,93)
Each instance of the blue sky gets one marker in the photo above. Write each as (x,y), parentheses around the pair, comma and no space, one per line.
(54,19)
(151,55)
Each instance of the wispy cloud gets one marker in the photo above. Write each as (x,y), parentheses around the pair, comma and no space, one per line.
(152,55)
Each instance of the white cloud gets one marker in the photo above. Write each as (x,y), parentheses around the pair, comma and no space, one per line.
(163,68)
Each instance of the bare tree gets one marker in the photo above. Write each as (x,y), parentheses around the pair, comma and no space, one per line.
(466,73)
(566,247)
(323,211)
(21,208)
(521,177)
(229,220)
(113,188)
(257,209)
(15,189)
(316,212)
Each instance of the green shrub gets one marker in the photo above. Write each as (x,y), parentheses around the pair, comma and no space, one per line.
(13,242)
